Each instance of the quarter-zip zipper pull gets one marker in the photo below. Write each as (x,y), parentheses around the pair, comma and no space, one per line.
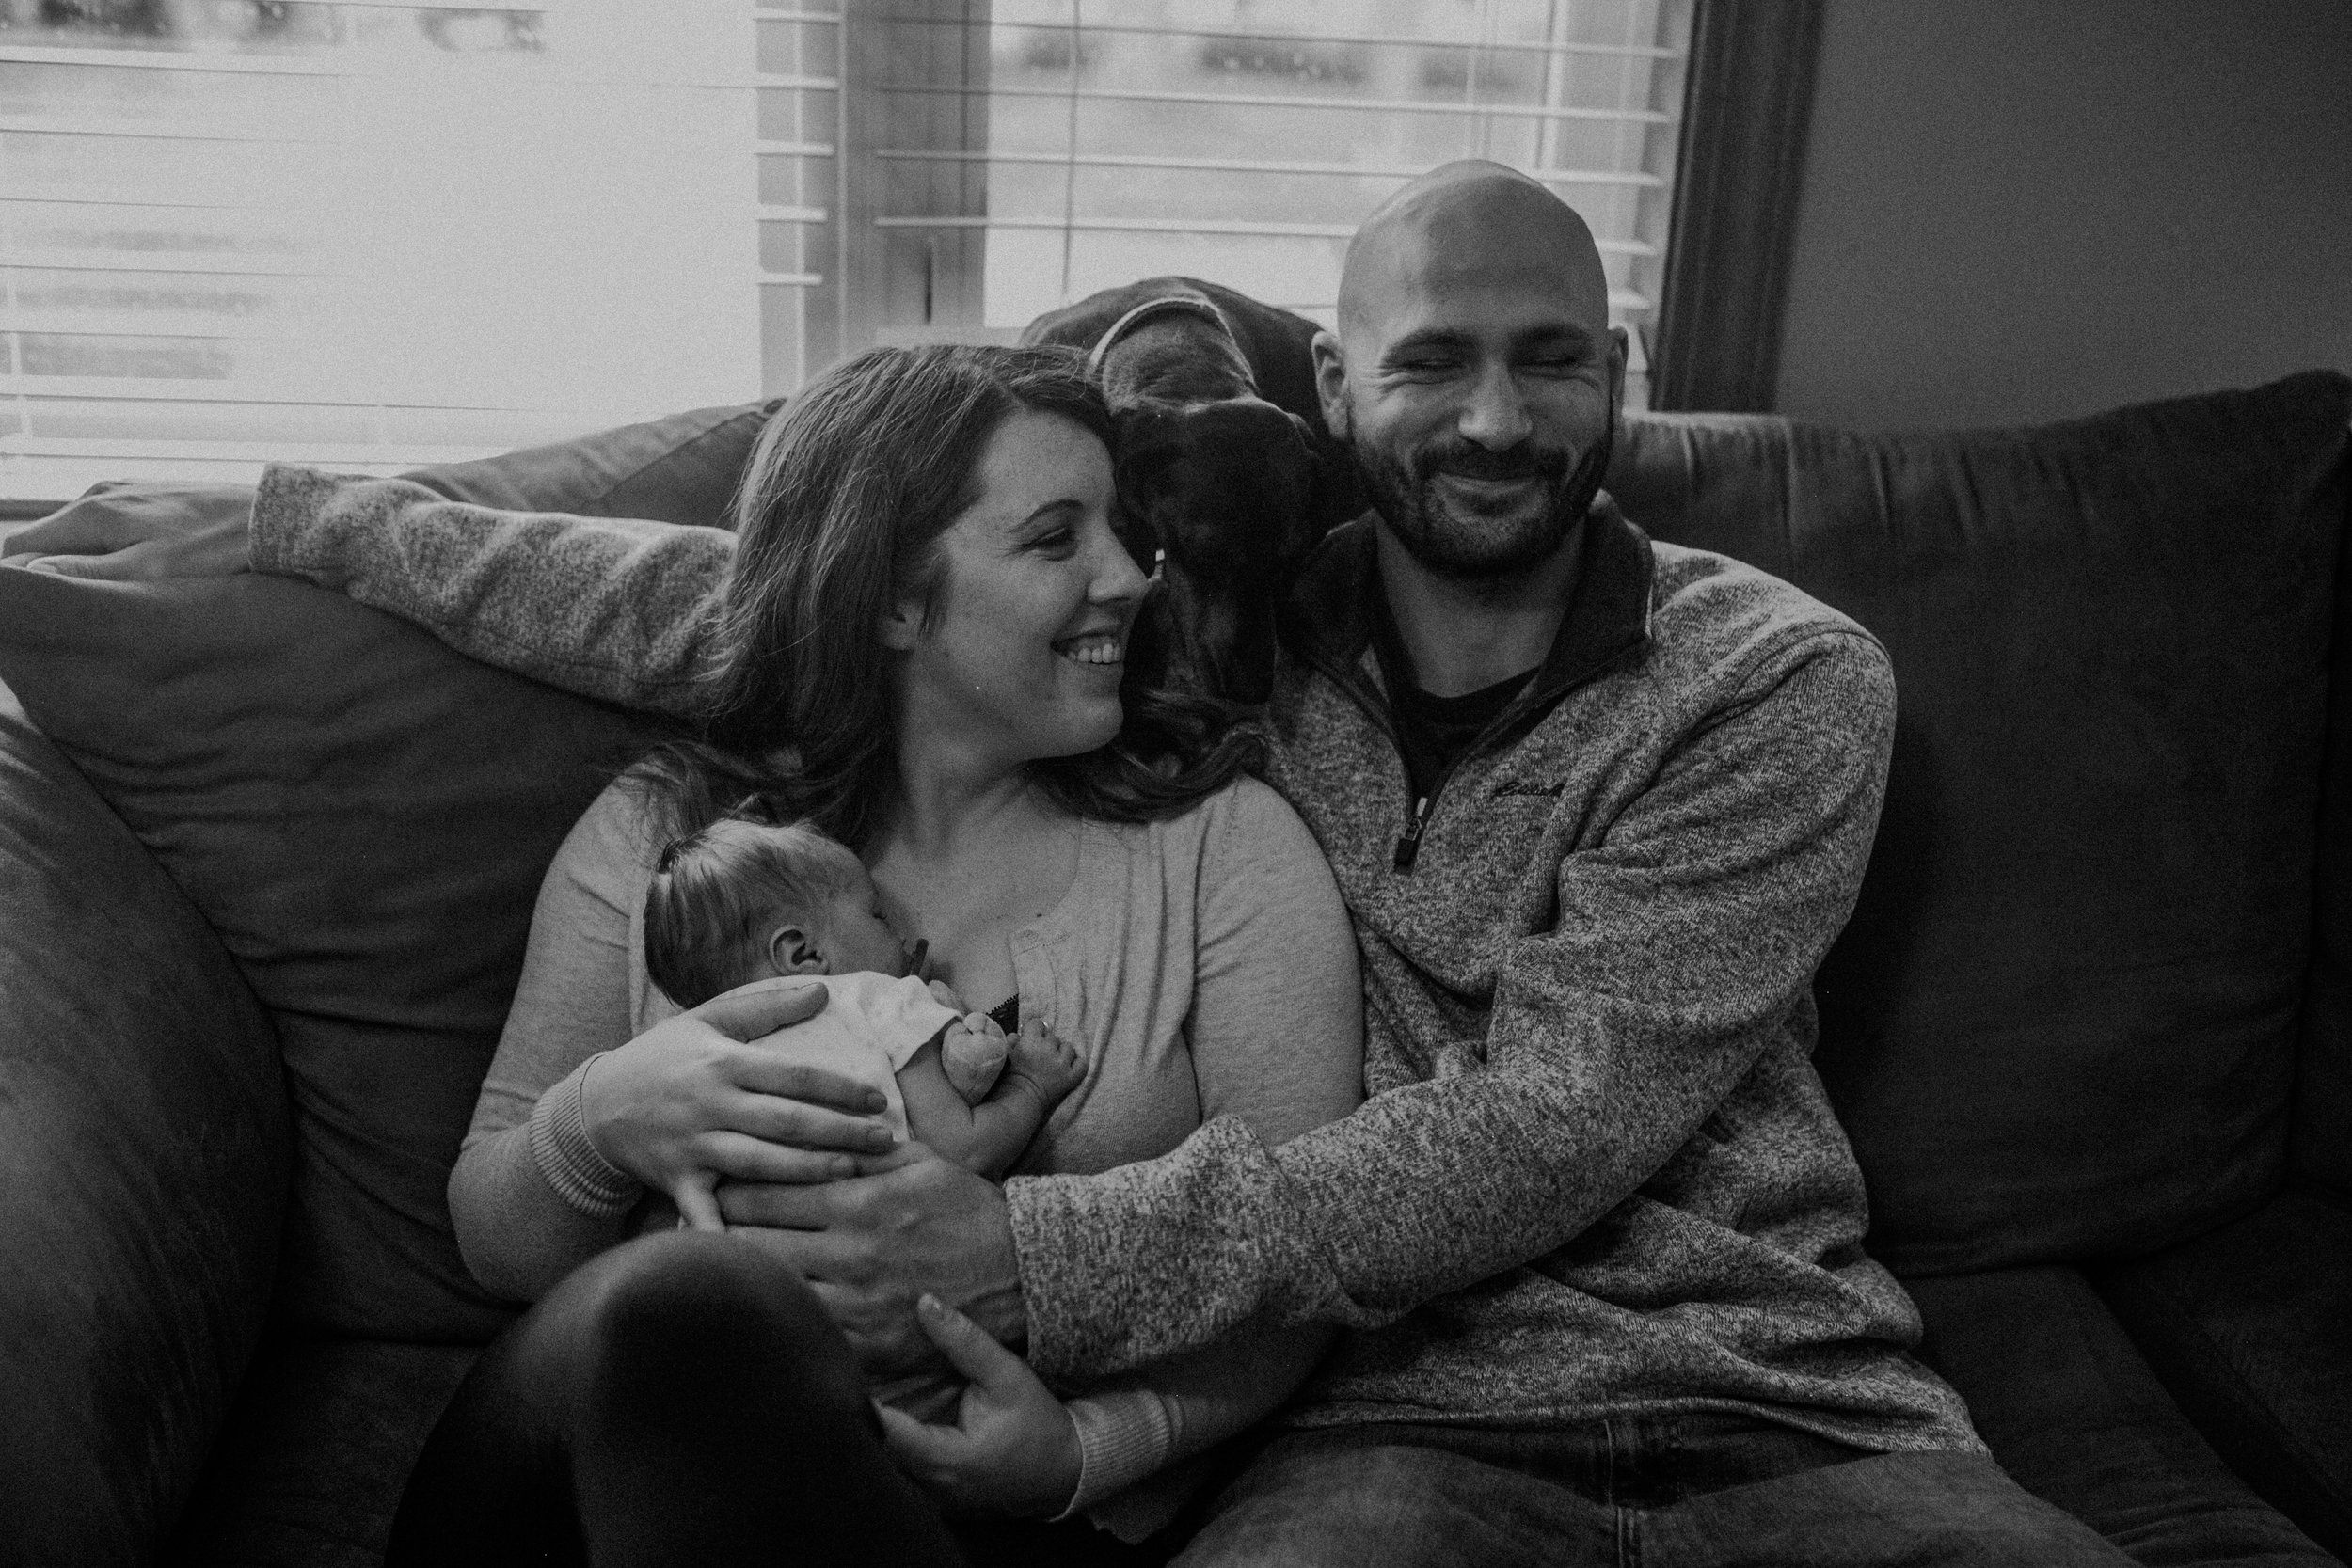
(1408,846)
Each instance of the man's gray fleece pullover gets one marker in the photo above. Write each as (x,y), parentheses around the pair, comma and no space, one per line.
(1597,1174)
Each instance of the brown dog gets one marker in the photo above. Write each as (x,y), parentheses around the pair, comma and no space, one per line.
(1226,476)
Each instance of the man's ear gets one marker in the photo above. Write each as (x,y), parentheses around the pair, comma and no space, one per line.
(1330,383)
(792,951)
(1617,351)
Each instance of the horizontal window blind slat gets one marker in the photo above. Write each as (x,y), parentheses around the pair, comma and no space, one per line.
(1253,36)
(119,388)
(246,452)
(159,59)
(152,130)
(168,264)
(1276,101)
(1178,225)
(1620,299)
(1248,165)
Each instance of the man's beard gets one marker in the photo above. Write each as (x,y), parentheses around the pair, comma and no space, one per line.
(1470,546)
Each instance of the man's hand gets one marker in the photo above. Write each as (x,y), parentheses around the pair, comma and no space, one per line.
(130,533)
(1012,1449)
(872,1245)
(688,1101)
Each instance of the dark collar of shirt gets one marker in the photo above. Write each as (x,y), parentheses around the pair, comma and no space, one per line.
(1432,732)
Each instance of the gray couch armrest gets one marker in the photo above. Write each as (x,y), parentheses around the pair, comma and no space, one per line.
(144,1159)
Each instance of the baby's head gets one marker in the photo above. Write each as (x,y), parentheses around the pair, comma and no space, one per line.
(742,901)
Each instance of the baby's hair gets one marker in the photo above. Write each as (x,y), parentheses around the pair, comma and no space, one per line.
(716,894)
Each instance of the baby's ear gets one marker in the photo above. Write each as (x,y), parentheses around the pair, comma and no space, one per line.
(792,951)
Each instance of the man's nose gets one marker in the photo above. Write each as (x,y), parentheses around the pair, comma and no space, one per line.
(1495,415)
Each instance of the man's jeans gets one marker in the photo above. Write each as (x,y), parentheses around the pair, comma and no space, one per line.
(1681,1492)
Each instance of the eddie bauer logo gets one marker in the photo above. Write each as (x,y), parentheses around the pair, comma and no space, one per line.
(1523,786)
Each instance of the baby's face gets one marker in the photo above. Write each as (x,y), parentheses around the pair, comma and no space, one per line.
(856,938)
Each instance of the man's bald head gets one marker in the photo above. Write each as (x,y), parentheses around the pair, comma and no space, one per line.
(1463,224)
(1474,374)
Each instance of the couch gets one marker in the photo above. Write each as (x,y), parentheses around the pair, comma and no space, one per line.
(269,858)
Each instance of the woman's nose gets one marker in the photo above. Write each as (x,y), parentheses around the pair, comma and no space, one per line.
(1118,579)
(1496,415)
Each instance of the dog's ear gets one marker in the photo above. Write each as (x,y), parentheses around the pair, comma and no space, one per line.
(1152,439)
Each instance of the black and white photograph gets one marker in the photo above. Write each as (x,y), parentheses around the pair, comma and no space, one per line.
(1246,784)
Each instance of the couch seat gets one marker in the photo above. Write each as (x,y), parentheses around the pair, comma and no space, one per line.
(2216,1317)
(2072,1411)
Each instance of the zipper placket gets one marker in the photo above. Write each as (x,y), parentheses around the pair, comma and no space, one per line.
(1418,808)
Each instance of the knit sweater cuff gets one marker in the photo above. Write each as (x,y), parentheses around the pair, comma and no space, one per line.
(1125,1435)
(287,504)
(584,1179)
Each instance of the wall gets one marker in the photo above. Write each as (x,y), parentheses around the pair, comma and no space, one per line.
(2020,210)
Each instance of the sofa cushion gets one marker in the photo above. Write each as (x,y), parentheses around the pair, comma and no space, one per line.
(2062,1020)
(309,1469)
(2250,1328)
(2322,1088)
(2071,1412)
(364,817)
(143,1153)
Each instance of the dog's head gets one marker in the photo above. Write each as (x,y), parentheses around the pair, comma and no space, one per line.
(1225,489)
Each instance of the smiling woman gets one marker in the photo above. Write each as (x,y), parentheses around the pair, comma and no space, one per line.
(922,655)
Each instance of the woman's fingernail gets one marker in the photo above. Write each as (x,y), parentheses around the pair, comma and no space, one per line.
(875,1100)
(931,1303)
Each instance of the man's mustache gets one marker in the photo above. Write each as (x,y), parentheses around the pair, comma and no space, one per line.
(1469,460)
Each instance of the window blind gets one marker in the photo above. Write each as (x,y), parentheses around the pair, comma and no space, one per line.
(1018,155)
(365,235)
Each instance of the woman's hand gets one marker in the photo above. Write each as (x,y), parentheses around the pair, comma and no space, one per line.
(688,1102)
(1013,1448)
(127,533)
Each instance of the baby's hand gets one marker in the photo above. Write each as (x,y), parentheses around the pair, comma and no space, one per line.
(1050,1063)
(971,1052)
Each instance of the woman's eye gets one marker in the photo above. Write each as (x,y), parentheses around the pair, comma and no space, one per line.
(1060,541)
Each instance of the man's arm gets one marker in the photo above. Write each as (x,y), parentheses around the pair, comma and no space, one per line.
(610,608)
(1683,941)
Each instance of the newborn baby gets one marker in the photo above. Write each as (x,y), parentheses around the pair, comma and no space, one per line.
(742,901)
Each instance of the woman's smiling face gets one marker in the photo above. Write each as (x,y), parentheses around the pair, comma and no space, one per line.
(1021,651)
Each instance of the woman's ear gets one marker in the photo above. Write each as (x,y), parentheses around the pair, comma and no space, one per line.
(793,951)
(902,627)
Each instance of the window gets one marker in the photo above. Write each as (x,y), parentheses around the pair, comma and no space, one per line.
(1016,156)
(371,236)
(362,236)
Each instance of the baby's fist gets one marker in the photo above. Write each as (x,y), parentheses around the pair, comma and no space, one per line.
(971,1052)
(1047,1060)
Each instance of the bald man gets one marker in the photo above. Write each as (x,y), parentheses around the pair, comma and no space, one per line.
(1599,806)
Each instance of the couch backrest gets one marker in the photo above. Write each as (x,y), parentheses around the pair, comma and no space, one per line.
(2064,1019)
(364,817)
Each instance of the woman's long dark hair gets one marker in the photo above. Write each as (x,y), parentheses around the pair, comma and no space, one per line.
(837,522)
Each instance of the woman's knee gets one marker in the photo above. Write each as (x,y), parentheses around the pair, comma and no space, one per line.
(683,1308)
